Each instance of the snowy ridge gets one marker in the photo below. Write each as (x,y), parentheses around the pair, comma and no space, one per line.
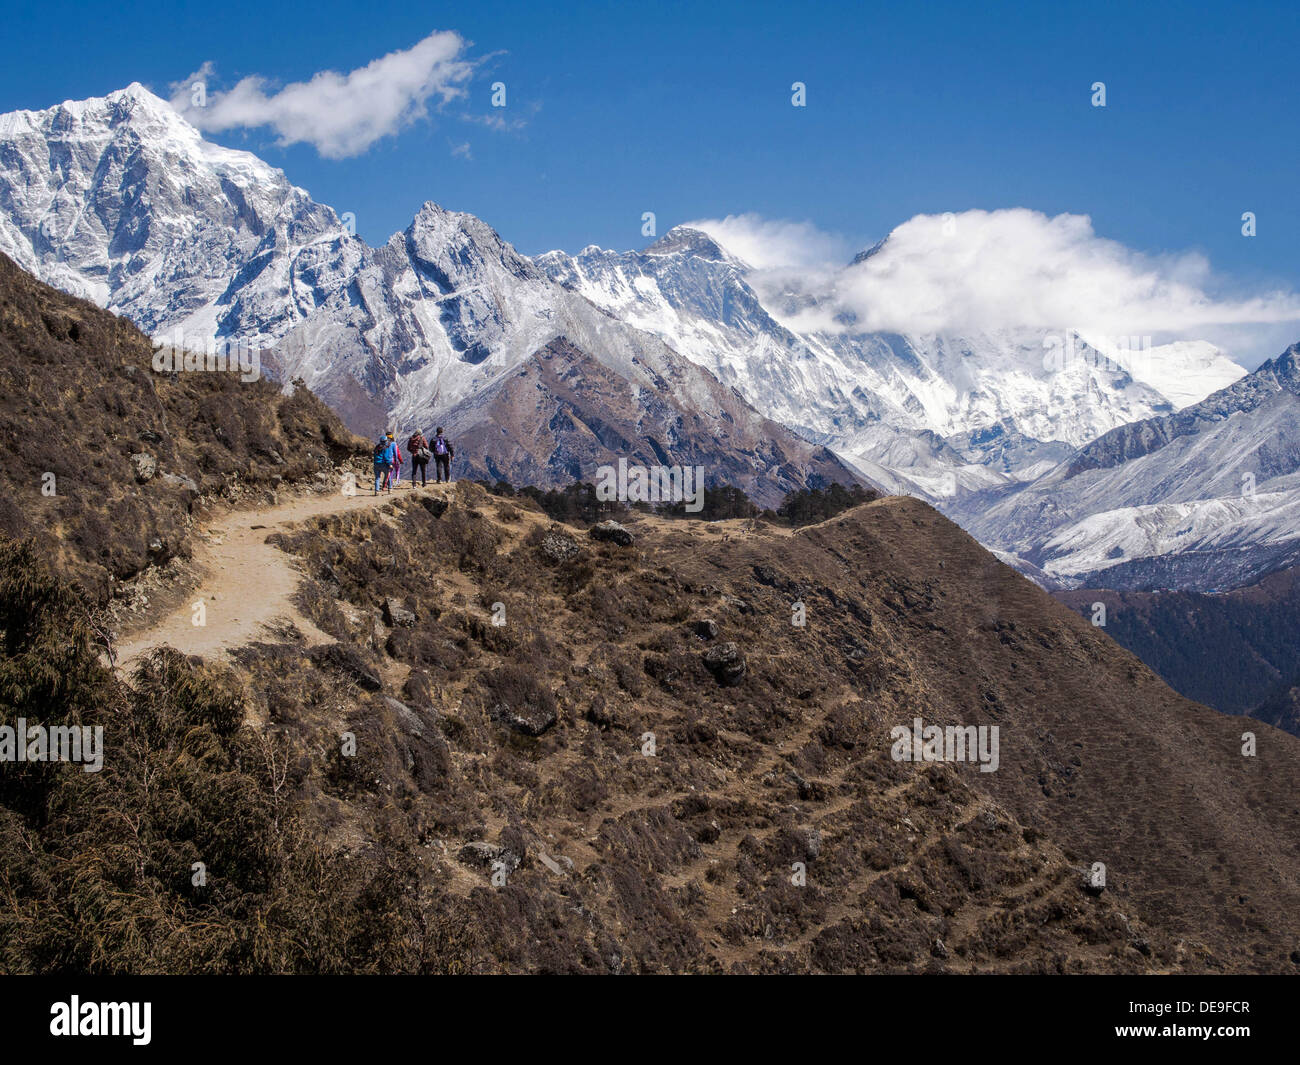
(1000,401)
(1222,475)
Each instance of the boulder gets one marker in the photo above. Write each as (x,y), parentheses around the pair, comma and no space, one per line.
(532,718)
(726,663)
(705,629)
(611,532)
(410,721)
(736,603)
(144,466)
(559,546)
(396,614)
(179,481)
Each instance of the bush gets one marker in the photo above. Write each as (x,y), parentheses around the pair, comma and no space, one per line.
(812,505)
(97,870)
(575,505)
(721,502)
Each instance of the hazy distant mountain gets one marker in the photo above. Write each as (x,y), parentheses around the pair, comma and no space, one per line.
(1229,650)
(1282,707)
(1205,498)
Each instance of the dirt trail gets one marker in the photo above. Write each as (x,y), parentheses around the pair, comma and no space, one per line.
(247,583)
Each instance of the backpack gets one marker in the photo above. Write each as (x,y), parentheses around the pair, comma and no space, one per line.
(440,445)
(381,449)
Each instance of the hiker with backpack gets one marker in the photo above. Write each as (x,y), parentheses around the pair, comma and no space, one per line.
(385,448)
(419,449)
(397,462)
(443,453)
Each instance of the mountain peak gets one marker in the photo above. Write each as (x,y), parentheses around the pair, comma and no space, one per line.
(690,241)
(133,102)
(443,237)
(433,218)
(138,93)
(133,108)
(1287,365)
(863,256)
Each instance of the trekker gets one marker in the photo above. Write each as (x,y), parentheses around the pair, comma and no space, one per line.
(443,453)
(397,461)
(419,449)
(384,449)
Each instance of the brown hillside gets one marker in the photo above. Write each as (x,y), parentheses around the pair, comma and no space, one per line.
(561,415)
(79,397)
(682,860)
(646,767)
(1096,748)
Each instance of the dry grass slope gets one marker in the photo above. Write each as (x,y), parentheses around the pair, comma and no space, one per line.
(646,768)
(79,397)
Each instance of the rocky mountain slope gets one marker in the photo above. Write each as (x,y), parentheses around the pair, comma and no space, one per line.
(121,201)
(562,415)
(106,460)
(931,415)
(1205,498)
(1229,650)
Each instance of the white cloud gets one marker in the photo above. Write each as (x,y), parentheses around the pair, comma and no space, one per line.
(339,114)
(990,271)
(772,244)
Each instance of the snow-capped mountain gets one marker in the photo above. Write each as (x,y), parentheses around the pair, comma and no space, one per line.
(936,415)
(120,200)
(1205,498)
(996,430)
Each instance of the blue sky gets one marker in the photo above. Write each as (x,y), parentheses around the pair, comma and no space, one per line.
(685,110)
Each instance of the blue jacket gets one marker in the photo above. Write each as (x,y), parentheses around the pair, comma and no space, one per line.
(385,457)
